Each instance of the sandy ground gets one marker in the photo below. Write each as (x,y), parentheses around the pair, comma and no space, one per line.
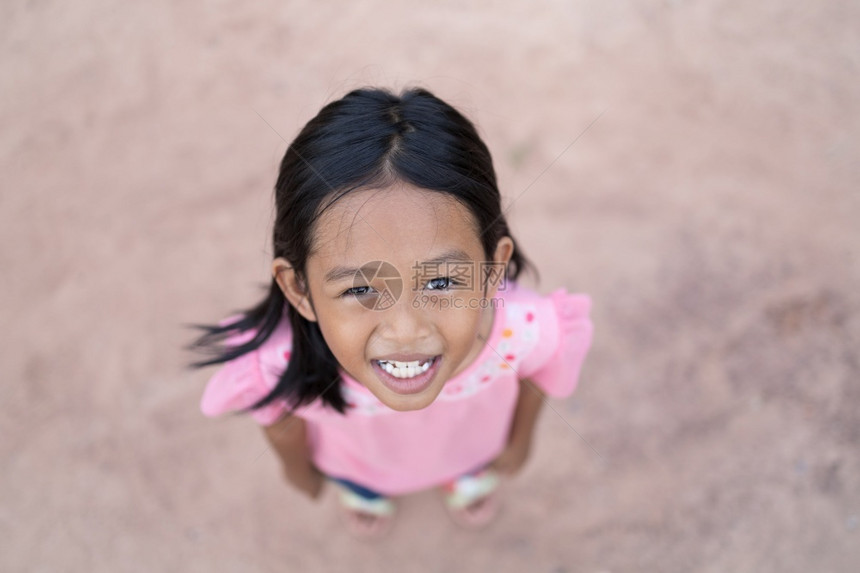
(710,210)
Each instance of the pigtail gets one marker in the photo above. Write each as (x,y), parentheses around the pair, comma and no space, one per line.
(312,369)
(261,319)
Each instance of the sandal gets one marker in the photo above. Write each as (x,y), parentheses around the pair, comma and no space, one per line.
(472,500)
(366,518)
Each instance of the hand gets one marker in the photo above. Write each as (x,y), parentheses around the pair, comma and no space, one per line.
(309,480)
(512,458)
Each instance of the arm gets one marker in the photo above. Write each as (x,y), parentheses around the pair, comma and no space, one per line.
(288,437)
(529,405)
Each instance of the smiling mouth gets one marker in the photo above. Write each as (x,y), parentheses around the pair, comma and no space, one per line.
(403,370)
(407,377)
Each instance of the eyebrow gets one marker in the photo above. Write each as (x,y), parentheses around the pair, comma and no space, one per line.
(340,272)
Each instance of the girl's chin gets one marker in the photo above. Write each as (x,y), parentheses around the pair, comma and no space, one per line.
(405,402)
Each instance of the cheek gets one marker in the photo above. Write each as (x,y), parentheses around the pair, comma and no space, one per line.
(345,335)
(460,325)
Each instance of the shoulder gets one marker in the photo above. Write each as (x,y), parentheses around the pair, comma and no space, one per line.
(558,302)
(523,312)
(544,315)
(246,379)
(555,325)
(272,356)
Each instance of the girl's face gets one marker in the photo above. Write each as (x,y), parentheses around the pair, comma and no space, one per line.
(395,282)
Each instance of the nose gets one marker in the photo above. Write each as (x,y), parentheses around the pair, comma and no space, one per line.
(404,324)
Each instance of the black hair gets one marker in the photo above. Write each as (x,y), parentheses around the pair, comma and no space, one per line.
(370,138)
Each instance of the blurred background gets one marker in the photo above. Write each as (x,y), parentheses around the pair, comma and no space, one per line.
(692,165)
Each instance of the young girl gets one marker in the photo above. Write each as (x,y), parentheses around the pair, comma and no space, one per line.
(394,351)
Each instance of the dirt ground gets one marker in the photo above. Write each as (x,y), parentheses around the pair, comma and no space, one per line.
(693,166)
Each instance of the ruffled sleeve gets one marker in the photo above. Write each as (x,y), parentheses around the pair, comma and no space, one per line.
(564,340)
(239,384)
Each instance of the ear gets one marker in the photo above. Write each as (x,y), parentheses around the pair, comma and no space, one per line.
(501,257)
(294,289)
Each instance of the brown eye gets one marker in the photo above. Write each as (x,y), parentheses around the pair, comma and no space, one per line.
(442,283)
(357,291)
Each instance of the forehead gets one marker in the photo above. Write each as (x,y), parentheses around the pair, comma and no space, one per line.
(399,224)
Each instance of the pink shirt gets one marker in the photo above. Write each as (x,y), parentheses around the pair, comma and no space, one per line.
(544,339)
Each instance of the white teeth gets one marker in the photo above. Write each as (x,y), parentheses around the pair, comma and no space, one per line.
(405,369)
